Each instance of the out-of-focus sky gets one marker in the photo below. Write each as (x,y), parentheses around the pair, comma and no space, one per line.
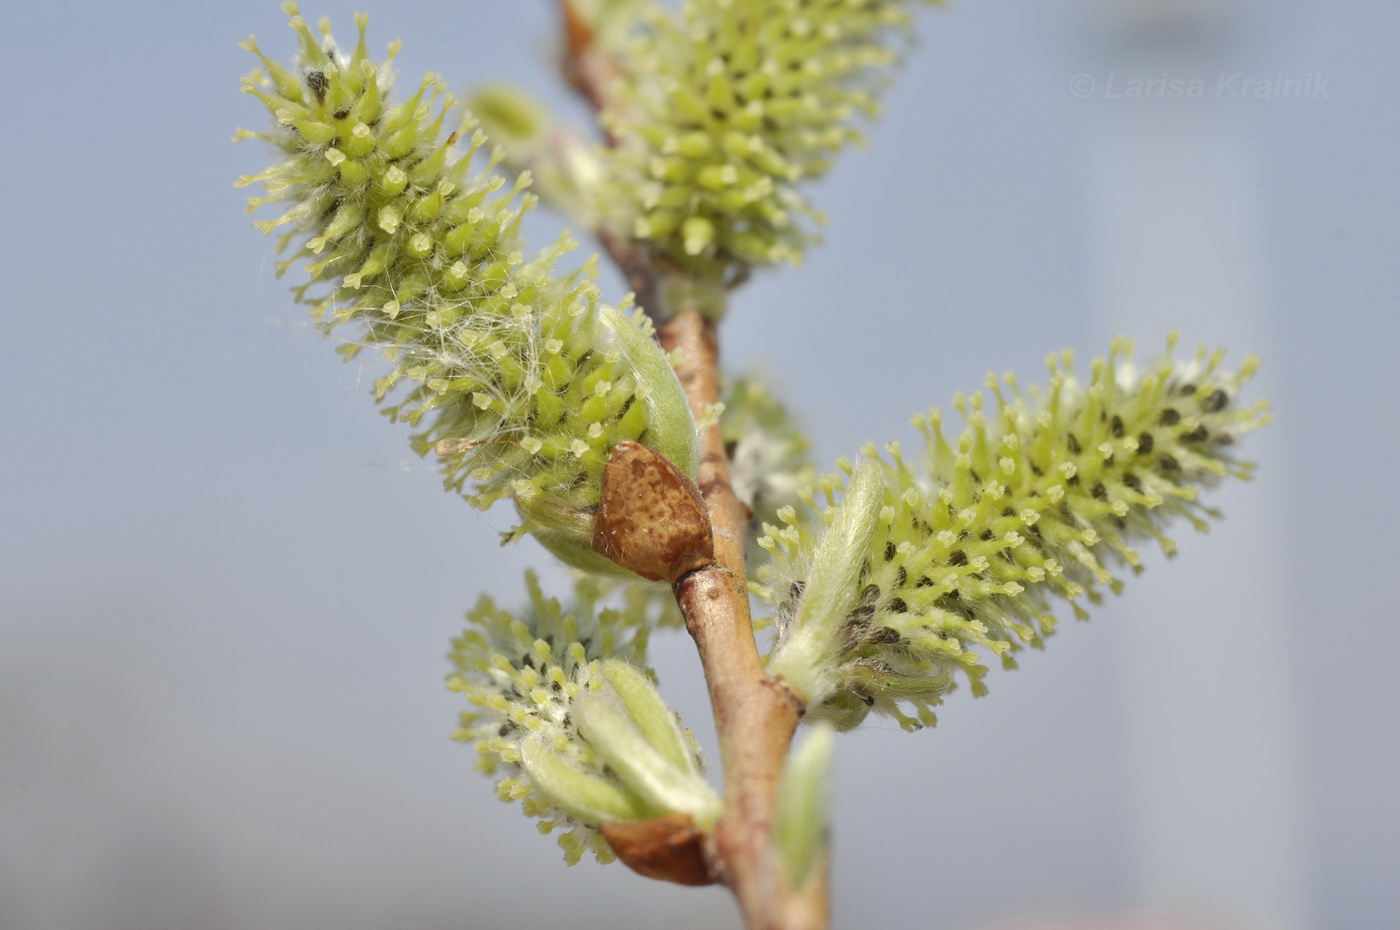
(226,585)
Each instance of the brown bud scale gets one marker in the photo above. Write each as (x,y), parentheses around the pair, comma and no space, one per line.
(651,518)
(667,848)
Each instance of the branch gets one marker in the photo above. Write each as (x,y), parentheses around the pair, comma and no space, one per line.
(586,67)
(755,715)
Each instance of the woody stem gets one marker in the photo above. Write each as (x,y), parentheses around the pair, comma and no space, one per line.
(756,716)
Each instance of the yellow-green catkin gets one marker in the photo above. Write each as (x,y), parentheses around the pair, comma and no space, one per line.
(524,674)
(723,112)
(1042,494)
(516,362)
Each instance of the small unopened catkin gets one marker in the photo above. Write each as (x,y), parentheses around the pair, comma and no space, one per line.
(562,709)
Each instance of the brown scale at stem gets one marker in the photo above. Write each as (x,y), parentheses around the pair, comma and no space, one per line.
(755,716)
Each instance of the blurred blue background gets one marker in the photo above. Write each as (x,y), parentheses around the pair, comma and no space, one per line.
(226,585)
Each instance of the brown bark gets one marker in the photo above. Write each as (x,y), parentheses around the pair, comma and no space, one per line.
(755,715)
(586,70)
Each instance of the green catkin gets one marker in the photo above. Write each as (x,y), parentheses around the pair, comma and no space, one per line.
(722,113)
(514,360)
(523,675)
(1042,494)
